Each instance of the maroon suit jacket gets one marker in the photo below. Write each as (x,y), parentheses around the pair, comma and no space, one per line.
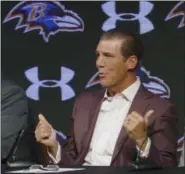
(85,113)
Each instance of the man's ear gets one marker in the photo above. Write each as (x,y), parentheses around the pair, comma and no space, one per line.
(132,62)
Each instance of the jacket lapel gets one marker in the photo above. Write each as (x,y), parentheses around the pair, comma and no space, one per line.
(95,107)
(139,105)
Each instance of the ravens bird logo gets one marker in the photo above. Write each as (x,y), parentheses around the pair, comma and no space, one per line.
(47,17)
(152,83)
(178,10)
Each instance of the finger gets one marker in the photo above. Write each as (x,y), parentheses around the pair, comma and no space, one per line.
(41,127)
(37,136)
(126,121)
(40,135)
(131,123)
(127,127)
(132,119)
(44,126)
(44,136)
(147,117)
(129,116)
(45,141)
(37,130)
(38,126)
(42,118)
(44,130)
(136,115)
(127,124)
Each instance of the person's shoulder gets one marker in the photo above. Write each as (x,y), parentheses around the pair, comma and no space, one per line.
(158,100)
(9,87)
(163,107)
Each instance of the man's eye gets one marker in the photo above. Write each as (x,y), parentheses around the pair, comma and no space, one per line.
(97,55)
(108,55)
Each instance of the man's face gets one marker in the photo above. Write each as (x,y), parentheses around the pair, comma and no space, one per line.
(111,65)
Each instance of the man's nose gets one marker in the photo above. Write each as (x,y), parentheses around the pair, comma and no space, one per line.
(100,62)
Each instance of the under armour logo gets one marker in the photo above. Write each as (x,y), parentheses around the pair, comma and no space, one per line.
(33,90)
(144,9)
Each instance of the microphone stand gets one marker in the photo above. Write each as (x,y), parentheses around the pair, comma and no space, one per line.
(147,165)
(11,160)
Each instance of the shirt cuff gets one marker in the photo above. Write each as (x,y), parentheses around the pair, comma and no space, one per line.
(56,159)
(145,153)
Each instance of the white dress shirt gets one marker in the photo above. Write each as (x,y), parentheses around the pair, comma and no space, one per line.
(110,120)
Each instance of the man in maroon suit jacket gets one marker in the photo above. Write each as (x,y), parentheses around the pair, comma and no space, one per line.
(120,122)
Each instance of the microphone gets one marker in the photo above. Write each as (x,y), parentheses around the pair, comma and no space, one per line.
(11,160)
(14,147)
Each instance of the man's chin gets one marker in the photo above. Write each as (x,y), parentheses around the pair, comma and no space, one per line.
(104,84)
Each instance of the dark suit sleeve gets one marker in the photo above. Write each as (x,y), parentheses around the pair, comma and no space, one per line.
(163,151)
(14,113)
(68,150)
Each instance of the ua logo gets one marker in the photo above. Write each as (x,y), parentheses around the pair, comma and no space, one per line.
(33,90)
(109,8)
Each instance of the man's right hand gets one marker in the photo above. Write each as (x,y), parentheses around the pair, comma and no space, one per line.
(46,135)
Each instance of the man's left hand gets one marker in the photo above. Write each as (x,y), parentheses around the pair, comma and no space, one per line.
(136,127)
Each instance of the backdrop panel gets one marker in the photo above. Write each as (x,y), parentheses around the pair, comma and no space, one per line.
(48,48)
